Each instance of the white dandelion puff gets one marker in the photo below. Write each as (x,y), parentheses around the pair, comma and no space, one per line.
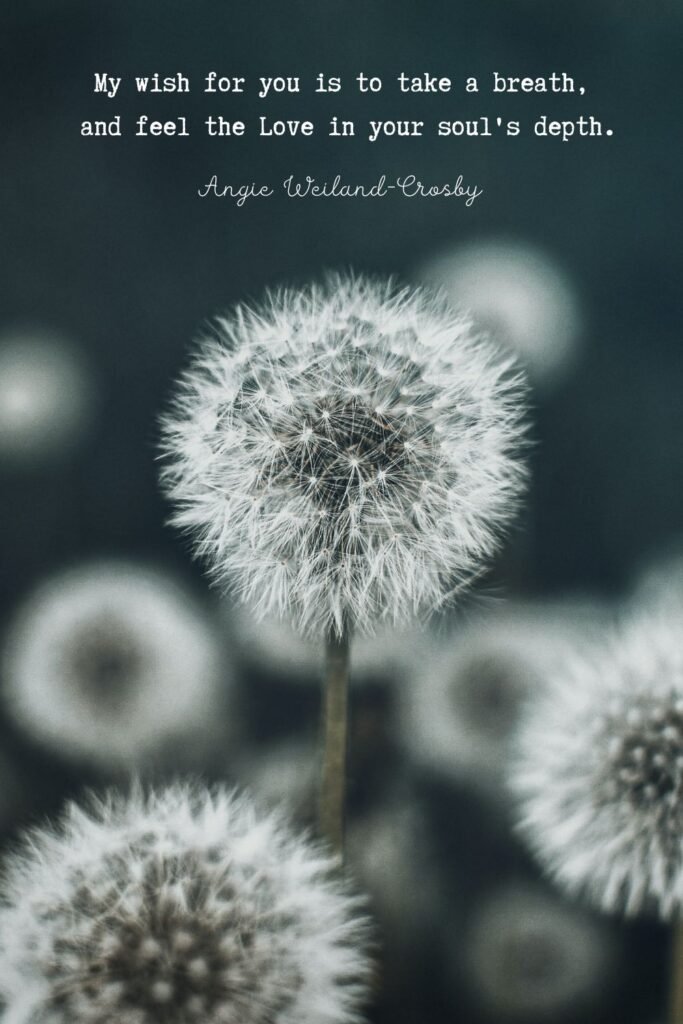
(598,772)
(46,395)
(520,295)
(178,907)
(345,455)
(527,956)
(462,700)
(110,662)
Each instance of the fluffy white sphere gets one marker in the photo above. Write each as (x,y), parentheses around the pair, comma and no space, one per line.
(520,295)
(45,395)
(528,957)
(183,906)
(111,661)
(345,455)
(598,772)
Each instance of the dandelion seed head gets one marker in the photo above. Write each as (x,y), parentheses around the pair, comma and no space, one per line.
(408,423)
(526,956)
(598,772)
(177,907)
(520,295)
(45,395)
(461,702)
(109,661)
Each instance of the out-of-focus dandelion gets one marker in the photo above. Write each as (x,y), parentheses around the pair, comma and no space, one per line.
(178,907)
(520,295)
(344,456)
(461,704)
(528,957)
(110,662)
(46,396)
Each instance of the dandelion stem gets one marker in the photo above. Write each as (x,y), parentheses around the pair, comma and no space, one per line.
(676,993)
(335,730)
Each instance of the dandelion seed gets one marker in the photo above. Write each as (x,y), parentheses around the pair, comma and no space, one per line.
(520,295)
(598,772)
(178,907)
(110,662)
(526,956)
(347,553)
(45,396)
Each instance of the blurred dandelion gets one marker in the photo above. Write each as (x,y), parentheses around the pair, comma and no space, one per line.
(110,662)
(46,395)
(528,957)
(520,295)
(598,771)
(177,907)
(390,852)
(462,702)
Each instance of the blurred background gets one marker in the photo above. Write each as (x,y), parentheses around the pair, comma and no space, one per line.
(111,266)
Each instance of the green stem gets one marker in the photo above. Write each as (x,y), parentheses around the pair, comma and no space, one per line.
(335,739)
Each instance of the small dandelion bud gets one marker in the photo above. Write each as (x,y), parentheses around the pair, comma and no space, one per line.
(345,455)
(598,772)
(520,295)
(110,662)
(177,907)
(46,396)
(527,957)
